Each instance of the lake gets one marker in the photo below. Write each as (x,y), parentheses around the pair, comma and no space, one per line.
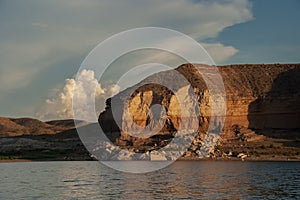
(181,180)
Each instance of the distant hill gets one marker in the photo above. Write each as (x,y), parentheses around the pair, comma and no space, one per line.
(67,123)
(29,126)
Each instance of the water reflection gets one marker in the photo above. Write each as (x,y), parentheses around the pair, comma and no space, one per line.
(191,180)
(181,180)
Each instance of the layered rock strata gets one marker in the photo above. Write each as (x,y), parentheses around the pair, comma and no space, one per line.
(258,97)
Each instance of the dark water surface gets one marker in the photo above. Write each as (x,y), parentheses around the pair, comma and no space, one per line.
(181,180)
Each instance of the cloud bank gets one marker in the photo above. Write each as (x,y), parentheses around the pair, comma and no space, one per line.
(71,27)
(37,36)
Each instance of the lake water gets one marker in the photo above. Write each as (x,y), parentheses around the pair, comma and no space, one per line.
(181,180)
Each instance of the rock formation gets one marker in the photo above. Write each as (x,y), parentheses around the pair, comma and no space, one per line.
(258,97)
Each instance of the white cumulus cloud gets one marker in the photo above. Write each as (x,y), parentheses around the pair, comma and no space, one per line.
(85,87)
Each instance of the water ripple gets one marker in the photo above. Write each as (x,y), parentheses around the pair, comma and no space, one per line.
(182,180)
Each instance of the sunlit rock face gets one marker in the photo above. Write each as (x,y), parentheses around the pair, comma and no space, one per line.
(258,97)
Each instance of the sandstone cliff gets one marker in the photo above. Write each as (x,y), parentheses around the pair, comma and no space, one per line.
(260,98)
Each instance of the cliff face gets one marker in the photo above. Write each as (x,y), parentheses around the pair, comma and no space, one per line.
(262,97)
(259,97)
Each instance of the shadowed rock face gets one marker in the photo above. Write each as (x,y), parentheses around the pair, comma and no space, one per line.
(279,108)
(257,94)
(258,97)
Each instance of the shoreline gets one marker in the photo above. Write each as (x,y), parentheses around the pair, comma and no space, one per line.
(180,160)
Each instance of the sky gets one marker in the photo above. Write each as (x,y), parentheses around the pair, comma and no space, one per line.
(43,43)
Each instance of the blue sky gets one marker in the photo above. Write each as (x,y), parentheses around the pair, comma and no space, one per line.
(272,37)
(42,43)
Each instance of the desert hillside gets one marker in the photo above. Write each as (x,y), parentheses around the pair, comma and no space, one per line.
(29,126)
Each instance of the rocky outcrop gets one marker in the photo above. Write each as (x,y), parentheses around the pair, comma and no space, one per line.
(258,98)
